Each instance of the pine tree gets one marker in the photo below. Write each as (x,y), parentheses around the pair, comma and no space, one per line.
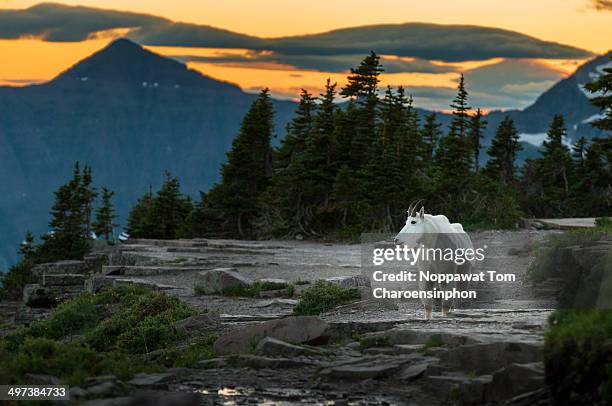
(68,238)
(579,153)
(460,123)
(476,132)
(87,196)
(233,201)
(170,209)
(105,214)
(603,100)
(556,157)
(363,87)
(431,134)
(297,130)
(503,152)
(140,220)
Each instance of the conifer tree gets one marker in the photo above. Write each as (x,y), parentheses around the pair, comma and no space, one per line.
(105,214)
(602,86)
(170,209)
(140,220)
(431,134)
(476,132)
(556,161)
(579,152)
(297,130)
(503,152)
(247,172)
(87,196)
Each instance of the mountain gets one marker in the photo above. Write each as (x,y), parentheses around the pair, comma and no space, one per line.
(566,97)
(127,112)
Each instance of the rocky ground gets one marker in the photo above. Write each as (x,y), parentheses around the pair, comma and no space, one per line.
(487,351)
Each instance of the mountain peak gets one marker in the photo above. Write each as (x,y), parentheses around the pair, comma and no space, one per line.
(127,62)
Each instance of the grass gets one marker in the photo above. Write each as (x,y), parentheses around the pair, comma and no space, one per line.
(576,355)
(371,342)
(105,333)
(254,290)
(432,342)
(324,296)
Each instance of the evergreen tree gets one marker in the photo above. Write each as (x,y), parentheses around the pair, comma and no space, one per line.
(579,153)
(233,202)
(68,238)
(297,130)
(140,222)
(87,196)
(556,162)
(363,87)
(476,132)
(105,214)
(503,152)
(431,134)
(460,123)
(603,100)
(170,209)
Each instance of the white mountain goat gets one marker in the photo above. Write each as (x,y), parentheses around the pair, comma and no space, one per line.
(435,232)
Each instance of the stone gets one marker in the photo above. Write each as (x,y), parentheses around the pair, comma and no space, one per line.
(155,379)
(276,302)
(354,281)
(61,267)
(295,329)
(274,281)
(484,358)
(200,324)
(271,346)
(515,379)
(35,295)
(372,368)
(413,372)
(41,379)
(65,279)
(218,279)
(98,283)
(212,363)
(262,362)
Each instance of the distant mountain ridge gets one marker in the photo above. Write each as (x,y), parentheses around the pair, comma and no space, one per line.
(131,114)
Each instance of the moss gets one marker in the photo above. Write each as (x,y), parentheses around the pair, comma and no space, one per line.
(324,296)
(433,342)
(371,342)
(110,333)
(255,289)
(577,351)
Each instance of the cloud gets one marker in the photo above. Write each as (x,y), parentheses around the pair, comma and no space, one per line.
(602,5)
(322,63)
(452,43)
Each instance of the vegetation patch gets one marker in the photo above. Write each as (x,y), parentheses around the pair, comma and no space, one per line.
(433,342)
(255,289)
(111,332)
(324,296)
(371,342)
(577,353)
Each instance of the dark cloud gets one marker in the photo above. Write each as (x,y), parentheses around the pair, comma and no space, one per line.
(452,43)
(602,5)
(323,63)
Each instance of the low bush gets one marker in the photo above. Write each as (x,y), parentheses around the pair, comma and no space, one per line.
(104,333)
(324,296)
(577,354)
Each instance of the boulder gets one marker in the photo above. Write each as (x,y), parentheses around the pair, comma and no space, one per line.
(64,279)
(262,362)
(219,279)
(98,283)
(271,346)
(155,379)
(515,379)
(373,368)
(485,358)
(296,330)
(200,324)
(35,295)
(61,267)
(41,379)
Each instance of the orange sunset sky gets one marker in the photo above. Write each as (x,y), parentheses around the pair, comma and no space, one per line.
(578,23)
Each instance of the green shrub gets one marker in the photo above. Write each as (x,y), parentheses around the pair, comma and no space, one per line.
(110,333)
(255,289)
(15,279)
(370,342)
(324,296)
(577,353)
(432,342)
